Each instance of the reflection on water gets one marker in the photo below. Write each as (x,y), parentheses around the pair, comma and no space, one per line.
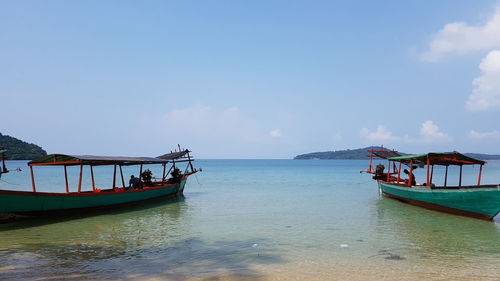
(183,259)
(150,241)
(435,240)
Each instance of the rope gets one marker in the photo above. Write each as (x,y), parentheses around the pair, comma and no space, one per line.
(196,177)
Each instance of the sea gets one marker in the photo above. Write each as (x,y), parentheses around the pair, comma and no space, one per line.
(252,220)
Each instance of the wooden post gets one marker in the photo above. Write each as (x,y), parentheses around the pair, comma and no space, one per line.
(428,181)
(479,177)
(388,170)
(446,176)
(190,163)
(92,176)
(411,173)
(399,172)
(140,177)
(164,170)
(170,169)
(32,179)
(80,180)
(114,176)
(66,178)
(432,172)
(121,174)
(370,168)
(460,179)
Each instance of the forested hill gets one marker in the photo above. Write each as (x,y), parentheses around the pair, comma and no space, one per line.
(20,150)
(362,153)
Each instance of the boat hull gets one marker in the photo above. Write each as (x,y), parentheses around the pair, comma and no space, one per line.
(477,202)
(35,203)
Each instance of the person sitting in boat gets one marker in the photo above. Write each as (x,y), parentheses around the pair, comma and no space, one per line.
(176,176)
(133,183)
(379,172)
(410,175)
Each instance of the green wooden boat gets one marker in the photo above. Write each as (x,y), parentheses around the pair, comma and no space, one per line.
(141,189)
(478,201)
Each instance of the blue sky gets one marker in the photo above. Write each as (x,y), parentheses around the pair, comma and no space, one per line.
(250,79)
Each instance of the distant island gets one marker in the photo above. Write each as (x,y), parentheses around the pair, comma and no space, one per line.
(20,150)
(361,153)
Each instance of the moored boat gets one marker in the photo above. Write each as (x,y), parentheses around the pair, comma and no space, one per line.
(478,201)
(141,189)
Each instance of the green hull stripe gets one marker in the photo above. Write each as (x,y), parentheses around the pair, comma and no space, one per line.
(10,203)
(478,200)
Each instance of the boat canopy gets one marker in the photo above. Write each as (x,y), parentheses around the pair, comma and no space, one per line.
(439,158)
(174,155)
(69,160)
(386,154)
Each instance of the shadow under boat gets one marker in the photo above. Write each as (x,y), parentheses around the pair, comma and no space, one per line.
(173,203)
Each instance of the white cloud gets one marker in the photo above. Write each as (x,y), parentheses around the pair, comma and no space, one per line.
(493,135)
(462,38)
(380,135)
(429,132)
(486,92)
(275,133)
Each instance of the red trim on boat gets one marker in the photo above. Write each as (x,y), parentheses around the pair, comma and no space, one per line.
(93,193)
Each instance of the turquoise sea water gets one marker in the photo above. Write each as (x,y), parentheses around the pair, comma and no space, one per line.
(255,220)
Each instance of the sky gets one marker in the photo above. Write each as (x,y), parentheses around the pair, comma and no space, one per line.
(250,79)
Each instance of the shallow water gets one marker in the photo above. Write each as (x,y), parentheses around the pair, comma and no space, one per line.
(253,220)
